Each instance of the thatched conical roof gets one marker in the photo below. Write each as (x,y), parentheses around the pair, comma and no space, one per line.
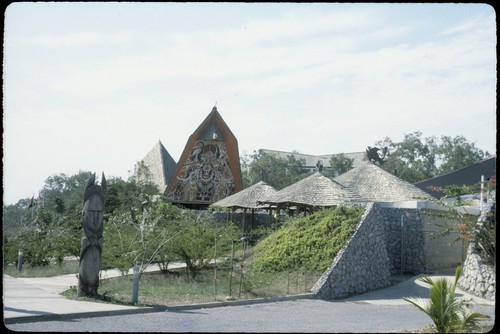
(377,185)
(315,190)
(247,198)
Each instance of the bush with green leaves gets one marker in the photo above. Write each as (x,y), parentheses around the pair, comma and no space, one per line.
(45,238)
(309,242)
(143,235)
(119,250)
(198,238)
(480,233)
(448,312)
(162,233)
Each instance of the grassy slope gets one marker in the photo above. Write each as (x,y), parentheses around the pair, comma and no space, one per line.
(309,242)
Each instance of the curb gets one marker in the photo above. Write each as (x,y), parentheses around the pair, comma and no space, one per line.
(241,302)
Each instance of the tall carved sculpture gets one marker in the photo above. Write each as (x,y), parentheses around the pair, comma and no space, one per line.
(92,241)
(373,156)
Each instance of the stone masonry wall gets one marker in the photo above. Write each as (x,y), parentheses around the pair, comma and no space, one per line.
(405,240)
(362,265)
(478,277)
(388,241)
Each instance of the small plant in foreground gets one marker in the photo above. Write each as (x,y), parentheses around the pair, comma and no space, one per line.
(446,310)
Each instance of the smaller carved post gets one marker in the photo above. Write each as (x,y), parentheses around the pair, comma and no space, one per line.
(135,284)
(20,261)
(230,296)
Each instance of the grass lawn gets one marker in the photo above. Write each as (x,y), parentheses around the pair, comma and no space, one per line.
(175,288)
(68,267)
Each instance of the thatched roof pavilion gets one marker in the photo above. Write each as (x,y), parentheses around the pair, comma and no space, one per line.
(374,184)
(316,190)
(247,198)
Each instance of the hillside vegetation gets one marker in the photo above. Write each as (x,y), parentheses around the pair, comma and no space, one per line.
(308,243)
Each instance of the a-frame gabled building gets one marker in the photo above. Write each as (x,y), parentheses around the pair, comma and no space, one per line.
(209,167)
(159,167)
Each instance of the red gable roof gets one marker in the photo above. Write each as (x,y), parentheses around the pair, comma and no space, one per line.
(209,167)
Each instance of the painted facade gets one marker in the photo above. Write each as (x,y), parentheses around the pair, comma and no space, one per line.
(209,168)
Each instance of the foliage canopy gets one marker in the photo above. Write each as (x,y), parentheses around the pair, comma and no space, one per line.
(416,159)
(276,171)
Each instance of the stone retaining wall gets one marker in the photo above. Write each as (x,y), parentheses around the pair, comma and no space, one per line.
(479,278)
(362,265)
(388,241)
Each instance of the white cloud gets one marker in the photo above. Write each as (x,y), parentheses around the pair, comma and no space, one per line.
(317,81)
(207,55)
(72,40)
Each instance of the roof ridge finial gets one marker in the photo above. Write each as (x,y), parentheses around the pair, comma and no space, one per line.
(215,107)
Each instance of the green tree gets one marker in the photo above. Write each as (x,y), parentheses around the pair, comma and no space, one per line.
(276,171)
(411,159)
(63,192)
(340,163)
(416,158)
(55,229)
(61,195)
(124,196)
(138,235)
(194,240)
(119,250)
(448,313)
(14,215)
(160,232)
(455,153)
(51,229)
(46,237)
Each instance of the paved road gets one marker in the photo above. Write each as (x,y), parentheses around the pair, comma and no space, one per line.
(379,311)
(287,316)
(300,316)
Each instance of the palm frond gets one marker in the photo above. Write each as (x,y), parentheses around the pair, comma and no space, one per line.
(419,303)
(471,321)
(449,313)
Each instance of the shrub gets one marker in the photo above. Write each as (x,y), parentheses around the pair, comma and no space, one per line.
(449,314)
(309,242)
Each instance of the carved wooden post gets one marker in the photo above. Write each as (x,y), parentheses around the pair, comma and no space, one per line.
(92,240)
(135,284)
(20,261)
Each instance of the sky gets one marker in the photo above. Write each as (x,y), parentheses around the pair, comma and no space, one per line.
(94,86)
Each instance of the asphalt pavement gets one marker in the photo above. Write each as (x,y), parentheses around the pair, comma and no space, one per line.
(38,299)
